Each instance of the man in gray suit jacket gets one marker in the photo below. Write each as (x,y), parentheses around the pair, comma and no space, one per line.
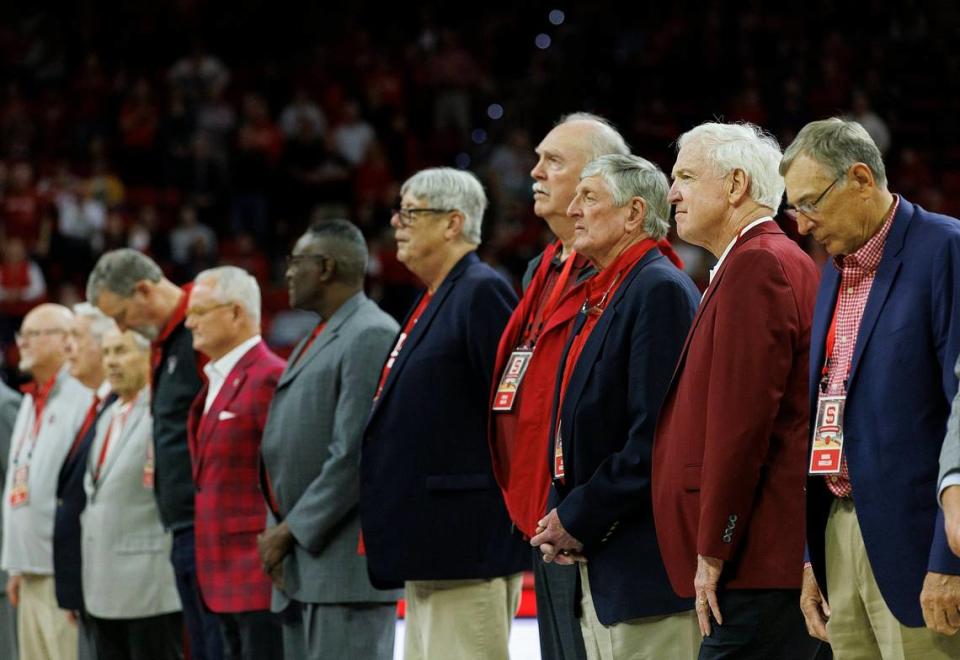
(312,546)
(950,474)
(9,404)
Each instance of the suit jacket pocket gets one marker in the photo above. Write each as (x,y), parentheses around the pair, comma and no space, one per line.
(690,479)
(138,544)
(244,524)
(480,481)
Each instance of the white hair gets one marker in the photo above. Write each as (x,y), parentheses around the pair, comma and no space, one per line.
(100,323)
(632,176)
(451,190)
(234,285)
(604,138)
(743,147)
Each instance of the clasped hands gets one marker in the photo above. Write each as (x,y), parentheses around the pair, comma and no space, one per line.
(273,544)
(556,544)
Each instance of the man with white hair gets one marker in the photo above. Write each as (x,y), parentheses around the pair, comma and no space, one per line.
(50,416)
(225,429)
(433,518)
(613,375)
(729,460)
(85,363)
(533,341)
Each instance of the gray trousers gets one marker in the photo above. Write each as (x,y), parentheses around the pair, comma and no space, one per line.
(359,631)
(558,610)
(8,625)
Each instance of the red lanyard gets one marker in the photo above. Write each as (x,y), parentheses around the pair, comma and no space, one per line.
(830,344)
(550,306)
(106,441)
(32,432)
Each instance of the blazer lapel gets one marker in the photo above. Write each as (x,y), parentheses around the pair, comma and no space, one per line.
(119,441)
(822,316)
(420,329)
(883,281)
(297,362)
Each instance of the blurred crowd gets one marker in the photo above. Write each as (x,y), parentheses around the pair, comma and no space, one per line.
(203,138)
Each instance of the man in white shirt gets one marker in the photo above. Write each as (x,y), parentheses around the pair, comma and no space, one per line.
(48,420)
(224,431)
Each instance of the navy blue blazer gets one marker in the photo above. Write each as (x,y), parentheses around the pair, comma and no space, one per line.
(71,501)
(607,422)
(899,391)
(429,505)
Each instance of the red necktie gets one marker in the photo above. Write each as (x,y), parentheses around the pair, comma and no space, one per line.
(87,423)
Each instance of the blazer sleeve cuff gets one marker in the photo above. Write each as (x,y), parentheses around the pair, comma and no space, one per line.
(942,559)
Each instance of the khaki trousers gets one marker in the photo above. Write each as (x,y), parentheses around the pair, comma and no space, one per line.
(674,636)
(861,625)
(42,627)
(462,619)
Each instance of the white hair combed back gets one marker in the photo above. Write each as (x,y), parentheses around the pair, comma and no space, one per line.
(605,139)
(452,190)
(100,323)
(235,285)
(745,147)
(632,176)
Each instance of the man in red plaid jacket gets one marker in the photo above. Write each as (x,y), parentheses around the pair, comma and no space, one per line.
(225,427)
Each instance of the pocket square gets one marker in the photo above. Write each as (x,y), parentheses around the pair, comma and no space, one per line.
(226,414)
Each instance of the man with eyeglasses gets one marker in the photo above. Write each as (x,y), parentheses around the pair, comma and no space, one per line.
(885,339)
(729,456)
(130,288)
(433,518)
(224,432)
(311,457)
(50,415)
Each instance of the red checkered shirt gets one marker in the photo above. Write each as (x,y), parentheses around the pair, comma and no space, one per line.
(857,272)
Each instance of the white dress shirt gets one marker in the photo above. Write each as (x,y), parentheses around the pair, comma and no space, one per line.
(218,371)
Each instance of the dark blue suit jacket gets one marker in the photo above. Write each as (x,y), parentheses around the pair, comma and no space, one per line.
(429,505)
(899,391)
(71,501)
(607,422)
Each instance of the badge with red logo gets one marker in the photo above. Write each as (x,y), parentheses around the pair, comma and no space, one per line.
(510,381)
(828,436)
(19,489)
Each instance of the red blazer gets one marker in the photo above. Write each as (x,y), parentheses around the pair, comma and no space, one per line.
(230,509)
(730,454)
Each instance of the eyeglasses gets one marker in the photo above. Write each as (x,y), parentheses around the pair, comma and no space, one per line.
(810,208)
(33,334)
(408,216)
(203,310)
(294,259)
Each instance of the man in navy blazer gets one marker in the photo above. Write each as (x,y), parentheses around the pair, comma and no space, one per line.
(611,382)
(85,361)
(432,515)
(885,338)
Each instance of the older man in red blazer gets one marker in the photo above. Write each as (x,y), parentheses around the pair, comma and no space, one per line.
(225,427)
(729,458)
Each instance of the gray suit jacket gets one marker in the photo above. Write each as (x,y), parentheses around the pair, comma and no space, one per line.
(950,452)
(9,405)
(311,451)
(127,572)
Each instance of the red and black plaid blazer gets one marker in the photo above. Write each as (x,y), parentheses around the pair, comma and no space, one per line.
(230,509)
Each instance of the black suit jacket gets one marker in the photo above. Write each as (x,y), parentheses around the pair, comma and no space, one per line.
(607,423)
(71,500)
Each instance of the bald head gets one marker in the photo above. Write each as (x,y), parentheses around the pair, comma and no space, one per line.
(42,340)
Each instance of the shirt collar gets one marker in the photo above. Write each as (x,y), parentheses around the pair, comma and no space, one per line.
(868,255)
(104,390)
(716,268)
(179,314)
(223,366)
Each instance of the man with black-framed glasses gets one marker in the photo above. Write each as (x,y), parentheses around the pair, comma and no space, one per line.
(884,342)
(311,457)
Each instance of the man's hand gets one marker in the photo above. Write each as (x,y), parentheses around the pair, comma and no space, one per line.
(705,585)
(814,606)
(940,599)
(71,616)
(13,589)
(276,575)
(555,543)
(951,512)
(274,544)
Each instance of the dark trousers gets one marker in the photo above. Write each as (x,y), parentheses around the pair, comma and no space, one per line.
(251,635)
(558,610)
(151,638)
(759,624)
(203,629)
